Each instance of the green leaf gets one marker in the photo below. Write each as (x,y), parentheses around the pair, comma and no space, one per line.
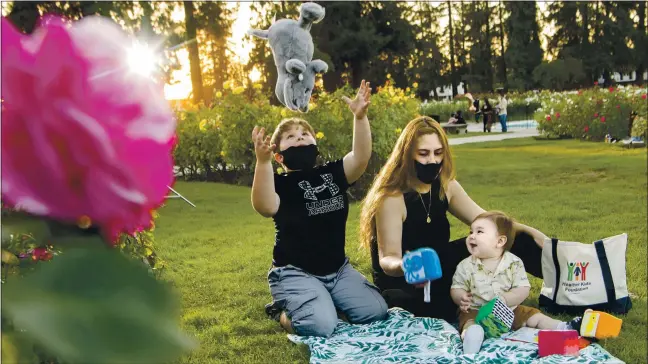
(94,305)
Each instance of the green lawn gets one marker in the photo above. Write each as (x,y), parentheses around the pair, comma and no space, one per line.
(219,253)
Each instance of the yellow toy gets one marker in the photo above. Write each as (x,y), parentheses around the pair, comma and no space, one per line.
(600,325)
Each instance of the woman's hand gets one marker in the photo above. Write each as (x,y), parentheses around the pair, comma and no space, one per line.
(537,236)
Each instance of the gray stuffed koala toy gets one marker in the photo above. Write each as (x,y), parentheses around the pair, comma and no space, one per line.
(292,47)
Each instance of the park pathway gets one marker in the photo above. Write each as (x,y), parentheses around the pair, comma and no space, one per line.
(516,129)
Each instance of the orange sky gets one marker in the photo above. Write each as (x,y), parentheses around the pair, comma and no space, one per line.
(181,87)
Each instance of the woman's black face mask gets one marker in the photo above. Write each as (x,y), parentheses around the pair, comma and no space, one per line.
(301,157)
(427,173)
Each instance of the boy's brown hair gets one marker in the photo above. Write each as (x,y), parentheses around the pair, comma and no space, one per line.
(286,124)
(504,224)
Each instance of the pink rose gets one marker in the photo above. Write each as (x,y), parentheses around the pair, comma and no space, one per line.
(602,119)
(81,134)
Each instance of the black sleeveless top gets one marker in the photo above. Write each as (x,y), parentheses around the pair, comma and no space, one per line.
(417,233)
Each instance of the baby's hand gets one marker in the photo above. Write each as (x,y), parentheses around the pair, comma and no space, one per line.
(464,303)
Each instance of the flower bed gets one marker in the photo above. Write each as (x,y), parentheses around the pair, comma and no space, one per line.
(592,114)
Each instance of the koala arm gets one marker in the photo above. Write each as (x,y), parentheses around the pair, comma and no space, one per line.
(263,34)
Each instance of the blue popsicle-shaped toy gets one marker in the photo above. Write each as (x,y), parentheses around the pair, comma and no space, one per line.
(422,266)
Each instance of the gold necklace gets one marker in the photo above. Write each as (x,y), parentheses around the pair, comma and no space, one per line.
(428,208)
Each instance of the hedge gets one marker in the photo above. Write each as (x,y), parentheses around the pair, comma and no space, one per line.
(214,143)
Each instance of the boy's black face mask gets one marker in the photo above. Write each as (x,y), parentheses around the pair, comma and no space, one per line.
(301,157)
(427,173)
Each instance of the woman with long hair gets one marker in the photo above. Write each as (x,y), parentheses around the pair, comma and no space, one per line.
(405,209)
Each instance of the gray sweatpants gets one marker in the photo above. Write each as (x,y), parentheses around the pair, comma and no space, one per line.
(311,301)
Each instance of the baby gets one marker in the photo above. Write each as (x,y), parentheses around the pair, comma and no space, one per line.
(492,271)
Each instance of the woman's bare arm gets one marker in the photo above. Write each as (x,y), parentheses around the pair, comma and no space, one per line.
(461,205)
(465,209)
(389,230)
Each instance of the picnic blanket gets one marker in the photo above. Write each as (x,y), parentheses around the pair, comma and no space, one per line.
(403,338)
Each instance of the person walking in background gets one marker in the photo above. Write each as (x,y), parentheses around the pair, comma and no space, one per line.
(477,110)
(501,106)
(487,113)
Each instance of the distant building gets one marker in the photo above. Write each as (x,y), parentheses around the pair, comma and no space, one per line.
(445,92)
(624,78)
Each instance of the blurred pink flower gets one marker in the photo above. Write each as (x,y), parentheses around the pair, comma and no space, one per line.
(81,134)
(602,119)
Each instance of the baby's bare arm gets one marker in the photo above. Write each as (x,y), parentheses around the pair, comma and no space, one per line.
(457,294)
(516,296)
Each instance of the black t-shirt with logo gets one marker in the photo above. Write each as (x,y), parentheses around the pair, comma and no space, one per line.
(310,225)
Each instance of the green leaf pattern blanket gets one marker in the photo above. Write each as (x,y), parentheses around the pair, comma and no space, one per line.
(403,338)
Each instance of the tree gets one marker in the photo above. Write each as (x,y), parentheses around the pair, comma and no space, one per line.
(194,59)
(480,72)
(349,36)
(451,43)
(640,40)
(502,63)
(560,74)
(523,53)
(427,62)
(392,58)
(214,20)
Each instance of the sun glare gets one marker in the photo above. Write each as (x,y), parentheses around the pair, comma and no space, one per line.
(255,74)
(142,60)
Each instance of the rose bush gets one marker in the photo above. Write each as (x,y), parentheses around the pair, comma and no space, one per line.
(593,113)
(86,158)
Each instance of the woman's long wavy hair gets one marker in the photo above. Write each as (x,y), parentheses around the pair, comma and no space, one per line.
(398,175)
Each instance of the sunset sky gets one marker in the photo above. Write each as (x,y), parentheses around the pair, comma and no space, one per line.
(181,87)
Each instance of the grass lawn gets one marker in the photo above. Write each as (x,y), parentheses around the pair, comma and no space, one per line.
(218,254)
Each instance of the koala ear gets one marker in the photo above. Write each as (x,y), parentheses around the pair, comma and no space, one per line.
(295,66)
(319,66)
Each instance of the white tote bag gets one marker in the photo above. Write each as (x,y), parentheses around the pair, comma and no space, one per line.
(580,276)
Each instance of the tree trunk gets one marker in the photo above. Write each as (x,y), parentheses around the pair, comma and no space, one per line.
(194,59)
(453,71)
(489,53)
(585,44)
(642,32)
(597,25)
(503,59)
(357,72)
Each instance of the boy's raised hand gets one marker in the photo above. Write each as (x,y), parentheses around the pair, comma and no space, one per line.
(262,147)
(360,104)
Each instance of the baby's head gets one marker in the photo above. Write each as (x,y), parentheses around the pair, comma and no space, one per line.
(295,144)
(491,233)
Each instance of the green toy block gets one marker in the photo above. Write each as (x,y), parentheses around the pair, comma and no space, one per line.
(495,318)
